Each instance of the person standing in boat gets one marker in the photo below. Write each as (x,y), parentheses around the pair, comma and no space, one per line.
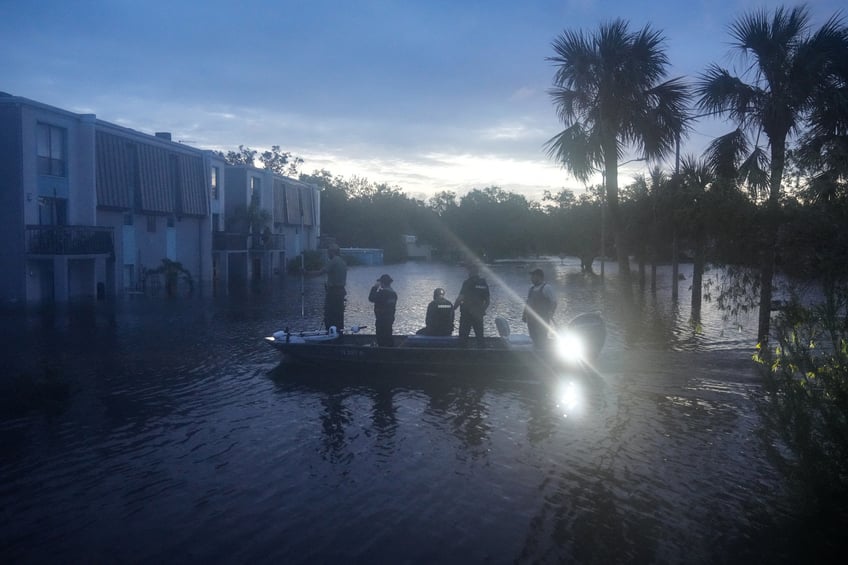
(385,302)
(539,309)
(334,288)
(473,300)
(440,316)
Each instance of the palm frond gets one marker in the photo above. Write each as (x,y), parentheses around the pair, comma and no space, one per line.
(754,172)
(576,150)
(725,152)
(609,83)
(720,93)
(697,173)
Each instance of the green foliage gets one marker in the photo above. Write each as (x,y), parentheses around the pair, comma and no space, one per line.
(278,162)
(249,219)
(805,406)
(173,272)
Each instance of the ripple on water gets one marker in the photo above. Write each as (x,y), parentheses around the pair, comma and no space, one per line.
(184,441)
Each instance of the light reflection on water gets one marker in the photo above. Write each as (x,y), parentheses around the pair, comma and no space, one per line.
(181,439)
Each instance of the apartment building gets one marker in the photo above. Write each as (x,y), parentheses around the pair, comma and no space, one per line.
(90,209)
(279,215)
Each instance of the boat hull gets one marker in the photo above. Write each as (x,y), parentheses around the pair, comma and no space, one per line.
(510,354)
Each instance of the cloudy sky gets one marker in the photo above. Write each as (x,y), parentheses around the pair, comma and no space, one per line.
(427,95)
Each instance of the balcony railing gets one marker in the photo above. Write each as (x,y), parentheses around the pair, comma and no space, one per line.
(69,240)
(226,241)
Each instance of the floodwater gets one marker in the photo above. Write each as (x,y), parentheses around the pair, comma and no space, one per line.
(163,430)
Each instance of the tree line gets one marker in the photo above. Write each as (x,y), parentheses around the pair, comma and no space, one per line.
(770,194)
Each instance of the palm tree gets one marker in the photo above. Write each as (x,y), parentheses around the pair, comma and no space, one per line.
(697,178)
(776,97)
(608,95)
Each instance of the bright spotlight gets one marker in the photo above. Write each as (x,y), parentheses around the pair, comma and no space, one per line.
(570,347)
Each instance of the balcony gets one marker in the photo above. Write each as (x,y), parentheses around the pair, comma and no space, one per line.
(227,241)
(69,240)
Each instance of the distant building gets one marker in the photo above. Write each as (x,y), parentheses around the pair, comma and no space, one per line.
(362,255)
(89,209)
(417,251)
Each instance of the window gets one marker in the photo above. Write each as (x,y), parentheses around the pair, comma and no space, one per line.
(256,190)
(51,150)
(151,224)
(213,183)
(128,219)
(171,222)
(216,222)
(52,211)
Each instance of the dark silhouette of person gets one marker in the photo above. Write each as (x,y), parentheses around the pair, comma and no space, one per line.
(385,302)
(334,297)
(472,302)
(440,316)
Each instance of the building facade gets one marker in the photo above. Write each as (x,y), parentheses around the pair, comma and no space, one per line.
(92,209)
(267,219)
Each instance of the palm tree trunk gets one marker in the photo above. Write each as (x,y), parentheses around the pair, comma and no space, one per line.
(675,268)
(778,160)
(766,275)
(611,167)
(698,273)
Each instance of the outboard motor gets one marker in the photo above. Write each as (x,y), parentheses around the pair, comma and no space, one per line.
(503,327)
(593,330)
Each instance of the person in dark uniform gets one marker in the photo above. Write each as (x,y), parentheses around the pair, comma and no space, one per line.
(472,302)
(334,297)
(440,316)
(385,301)
(539,309)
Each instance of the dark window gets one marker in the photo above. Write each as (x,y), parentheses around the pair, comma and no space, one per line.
(216,222)
(151,223)
(51,150)
(52,211)
(128,219)
(171,222)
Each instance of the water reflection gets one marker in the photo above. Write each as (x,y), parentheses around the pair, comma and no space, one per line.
(181,427)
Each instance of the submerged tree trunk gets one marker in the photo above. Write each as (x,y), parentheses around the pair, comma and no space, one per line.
(615,215)
(675,268)
(698,273)
(778,160)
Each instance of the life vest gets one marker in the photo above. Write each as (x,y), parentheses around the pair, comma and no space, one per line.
(539,303)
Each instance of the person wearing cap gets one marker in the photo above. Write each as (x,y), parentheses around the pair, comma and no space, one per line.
(385,301)
(334,288)
(472,302)
(440,316)
(539,309)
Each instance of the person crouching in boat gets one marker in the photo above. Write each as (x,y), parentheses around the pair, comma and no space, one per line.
(385,301)
(440,316)
(539,309)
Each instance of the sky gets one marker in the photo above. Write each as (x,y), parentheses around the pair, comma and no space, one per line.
(425,95)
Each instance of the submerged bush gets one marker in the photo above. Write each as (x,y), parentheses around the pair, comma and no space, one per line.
(805,406)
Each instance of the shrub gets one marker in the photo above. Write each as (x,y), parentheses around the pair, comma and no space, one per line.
(805,406)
